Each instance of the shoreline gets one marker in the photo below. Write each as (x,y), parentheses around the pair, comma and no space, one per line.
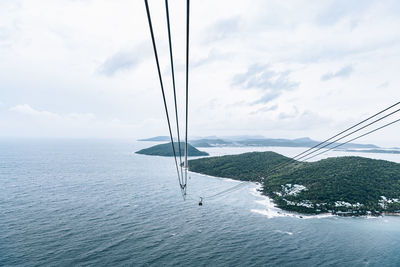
(270,210)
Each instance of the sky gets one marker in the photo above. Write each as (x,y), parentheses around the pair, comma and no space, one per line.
(281,69)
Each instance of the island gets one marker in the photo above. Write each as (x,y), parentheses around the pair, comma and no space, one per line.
(260,141)
(347,186)
(165,150)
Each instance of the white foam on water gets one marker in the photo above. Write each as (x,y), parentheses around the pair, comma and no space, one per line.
(372,217)
(271,211)
(284,232)
(221,178)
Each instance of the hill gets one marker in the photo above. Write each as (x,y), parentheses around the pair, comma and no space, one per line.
(341,185)
(166,150)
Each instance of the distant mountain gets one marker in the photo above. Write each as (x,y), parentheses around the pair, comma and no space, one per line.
(256,141)
(157,138)
(382,151)
(242,137)
(166,150)
(211,143)
(339,185)
(353,145)
(259,142)
(279,142)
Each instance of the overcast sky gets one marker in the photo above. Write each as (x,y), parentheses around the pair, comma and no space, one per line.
(282,69)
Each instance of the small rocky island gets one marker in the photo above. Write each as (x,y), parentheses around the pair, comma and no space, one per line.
(347,186)
(165,150)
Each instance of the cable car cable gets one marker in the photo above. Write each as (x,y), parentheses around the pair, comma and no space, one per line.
(162,89)
(187,87)
(173,86)
(290,161)
(351,140)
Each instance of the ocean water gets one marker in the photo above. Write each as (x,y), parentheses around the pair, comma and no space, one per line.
(96,203)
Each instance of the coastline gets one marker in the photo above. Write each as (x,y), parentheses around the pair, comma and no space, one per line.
(270,210)
(221,178)
(390,213)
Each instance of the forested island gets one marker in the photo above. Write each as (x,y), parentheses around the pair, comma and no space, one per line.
(165,150)
(348,186)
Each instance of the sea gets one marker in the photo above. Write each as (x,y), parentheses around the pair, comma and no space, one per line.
(97,203)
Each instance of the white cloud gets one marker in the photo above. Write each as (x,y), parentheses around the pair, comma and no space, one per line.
(26,109)
(344,72)
(270,82)
(125,59)
(75,59)
(222,29)
(28,122)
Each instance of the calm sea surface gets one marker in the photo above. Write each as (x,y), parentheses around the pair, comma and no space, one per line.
(82,203)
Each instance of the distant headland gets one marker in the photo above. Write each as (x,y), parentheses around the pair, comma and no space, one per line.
(165,150)
(260,141)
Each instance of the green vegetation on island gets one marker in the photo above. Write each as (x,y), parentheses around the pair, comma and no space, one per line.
(339,185)
(166,150)
(246,167)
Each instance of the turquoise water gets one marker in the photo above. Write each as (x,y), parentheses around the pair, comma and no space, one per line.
(81,202)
